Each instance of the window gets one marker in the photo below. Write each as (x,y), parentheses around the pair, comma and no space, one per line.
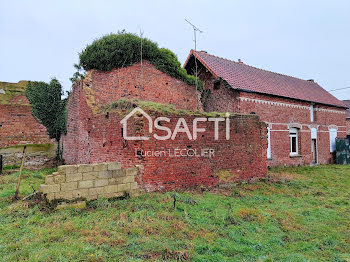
(268,143)
(332,136)
(293,138)
(312,117)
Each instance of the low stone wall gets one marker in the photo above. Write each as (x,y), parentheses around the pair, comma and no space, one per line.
(37,155)
(90,181)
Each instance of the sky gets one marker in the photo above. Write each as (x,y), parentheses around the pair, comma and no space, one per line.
(305,39)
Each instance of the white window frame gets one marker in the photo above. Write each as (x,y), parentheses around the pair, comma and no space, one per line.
(333,133)
(293,133)
(268,143)
(312,116)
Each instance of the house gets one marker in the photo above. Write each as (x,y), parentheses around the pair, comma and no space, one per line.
(18,127)
(303,119)
(347,102)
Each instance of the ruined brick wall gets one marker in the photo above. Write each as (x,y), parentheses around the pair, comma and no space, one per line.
(90,181)
(143,82)
(280,113)
(95,137)
(17,125)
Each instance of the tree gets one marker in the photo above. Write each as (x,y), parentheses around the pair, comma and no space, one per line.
(49,109)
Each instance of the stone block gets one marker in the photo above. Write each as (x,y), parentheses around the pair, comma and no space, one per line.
(90,175)
(49,180)
(59,179)
(115,181)
(86,184)
(123,187)
(50,196)
(100,167)
(64,195)
(101,182)
(134,186)
(69,186)
(114,194)
(81,193)
(118,173)
(46,189)
(77,205)
(96,191)
(114,166)
(55,173)
(111,189)
(131,171)
(68,169)
(73,177)
(105,174)
(85,168)
(91,197)
(128,179)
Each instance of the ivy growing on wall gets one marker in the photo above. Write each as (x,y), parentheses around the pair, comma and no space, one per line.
(124,49)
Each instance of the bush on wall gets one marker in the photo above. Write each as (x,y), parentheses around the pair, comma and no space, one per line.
(124,49)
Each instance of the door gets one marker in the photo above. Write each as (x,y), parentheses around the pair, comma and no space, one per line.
(314,150)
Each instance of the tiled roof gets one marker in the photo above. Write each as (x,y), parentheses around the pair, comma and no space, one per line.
(245,77)
(347,102)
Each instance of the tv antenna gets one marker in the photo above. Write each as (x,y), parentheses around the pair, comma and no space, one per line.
(195,29)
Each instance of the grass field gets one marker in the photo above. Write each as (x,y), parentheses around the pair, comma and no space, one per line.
(298,214)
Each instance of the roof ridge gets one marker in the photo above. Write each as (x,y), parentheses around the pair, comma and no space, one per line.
(257,67)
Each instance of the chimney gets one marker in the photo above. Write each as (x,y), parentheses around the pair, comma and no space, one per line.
(240,61)
(311,80)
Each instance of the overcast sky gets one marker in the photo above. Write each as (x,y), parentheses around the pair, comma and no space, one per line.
(306,39)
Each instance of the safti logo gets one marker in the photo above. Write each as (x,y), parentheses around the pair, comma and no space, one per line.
(181,126)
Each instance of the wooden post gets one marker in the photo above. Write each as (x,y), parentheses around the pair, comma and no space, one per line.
(20,172)
(0,164)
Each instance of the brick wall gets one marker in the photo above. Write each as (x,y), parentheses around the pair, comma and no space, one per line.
(90,181)
(279,113)
(143,82)
(95,137)
(348,126)
(17,125)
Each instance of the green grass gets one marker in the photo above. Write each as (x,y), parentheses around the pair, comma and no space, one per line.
(298,214)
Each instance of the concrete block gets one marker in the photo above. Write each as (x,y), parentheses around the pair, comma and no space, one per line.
(85,168)
(74,177)
(114,166)
(59,179)
(86,184)
(100,167)
(46,189)
(69,186)
(90,175)
(49,180)
(105,174)
(101,182)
